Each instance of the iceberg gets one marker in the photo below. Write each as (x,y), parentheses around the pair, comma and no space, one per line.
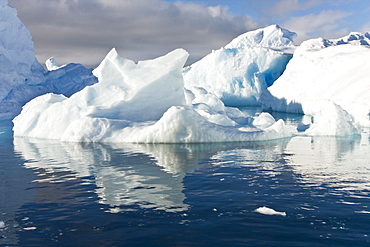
(239,72)
(51,64)
(18,64)
(269,211)
(65,80)
(326,76)
(332,120)
(22,76)
(143,102)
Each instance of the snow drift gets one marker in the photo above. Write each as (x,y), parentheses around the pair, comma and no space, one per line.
(141,102)
(243,69)
(22,76)
(326,76)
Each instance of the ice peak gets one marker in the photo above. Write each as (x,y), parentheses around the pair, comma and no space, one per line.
(51,64)
(354,38)
(3,3)
(271,36)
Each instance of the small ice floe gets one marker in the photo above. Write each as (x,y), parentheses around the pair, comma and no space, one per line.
(358,212)
(31,228)
(268,211)
(2,224)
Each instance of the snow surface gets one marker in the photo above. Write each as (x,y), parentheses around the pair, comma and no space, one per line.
(143,102)
(243,69)
(22,76)
(326,79)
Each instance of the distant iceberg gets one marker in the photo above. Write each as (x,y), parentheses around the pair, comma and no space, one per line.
(18,64)
(243,69)
(22,76)
(143,102)
(329,80)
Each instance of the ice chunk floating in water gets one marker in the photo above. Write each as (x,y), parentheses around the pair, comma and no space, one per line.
(139,102)
(268,211)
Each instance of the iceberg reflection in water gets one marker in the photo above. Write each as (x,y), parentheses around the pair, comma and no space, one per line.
(152,174)
(188,190)
(147,175)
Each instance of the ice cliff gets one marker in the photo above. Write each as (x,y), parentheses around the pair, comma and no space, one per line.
(143,102)
(329,80)
(22,76)
(239,72)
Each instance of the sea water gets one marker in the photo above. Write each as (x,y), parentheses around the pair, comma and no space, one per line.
(76,194)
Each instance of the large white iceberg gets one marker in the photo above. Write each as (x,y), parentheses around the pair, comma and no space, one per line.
(243,69)
(326,76)
(143,102)
(22,76)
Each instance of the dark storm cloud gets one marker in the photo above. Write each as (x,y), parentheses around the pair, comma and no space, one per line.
(84,31)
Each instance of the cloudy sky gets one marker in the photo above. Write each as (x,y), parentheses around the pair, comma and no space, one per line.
(83,31)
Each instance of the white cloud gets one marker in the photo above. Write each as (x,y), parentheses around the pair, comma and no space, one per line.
(325,24)
(85,30)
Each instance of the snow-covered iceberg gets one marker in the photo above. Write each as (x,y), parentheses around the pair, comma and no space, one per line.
(143,102)
(239,72)
(326,76)
(22,76)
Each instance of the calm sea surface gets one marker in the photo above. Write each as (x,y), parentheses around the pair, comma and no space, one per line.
(73,194)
